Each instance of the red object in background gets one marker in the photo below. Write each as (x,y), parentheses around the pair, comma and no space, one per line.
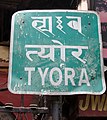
(103,16)
(101,8)
(93,105)
(104,52)
(7,97)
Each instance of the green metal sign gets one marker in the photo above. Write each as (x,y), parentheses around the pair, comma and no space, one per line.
(56,52)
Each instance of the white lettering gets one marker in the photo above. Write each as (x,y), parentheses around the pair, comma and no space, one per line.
(51,55)
(69,76)
(55,76)
(51,76)
(43,75)
(29,70)
(86,80)
(43,24)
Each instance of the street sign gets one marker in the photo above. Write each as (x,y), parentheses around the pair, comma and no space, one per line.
(56,52)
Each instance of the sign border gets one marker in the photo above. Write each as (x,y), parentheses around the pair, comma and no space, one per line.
(54,93)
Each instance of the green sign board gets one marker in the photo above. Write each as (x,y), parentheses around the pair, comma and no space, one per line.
(56,52)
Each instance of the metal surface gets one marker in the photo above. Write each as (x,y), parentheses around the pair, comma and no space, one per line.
(55,111)
(56,52)
(36,110)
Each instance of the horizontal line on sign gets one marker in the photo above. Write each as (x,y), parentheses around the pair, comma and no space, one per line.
(55,46)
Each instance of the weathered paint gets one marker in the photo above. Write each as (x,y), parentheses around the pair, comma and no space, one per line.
(77,70)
